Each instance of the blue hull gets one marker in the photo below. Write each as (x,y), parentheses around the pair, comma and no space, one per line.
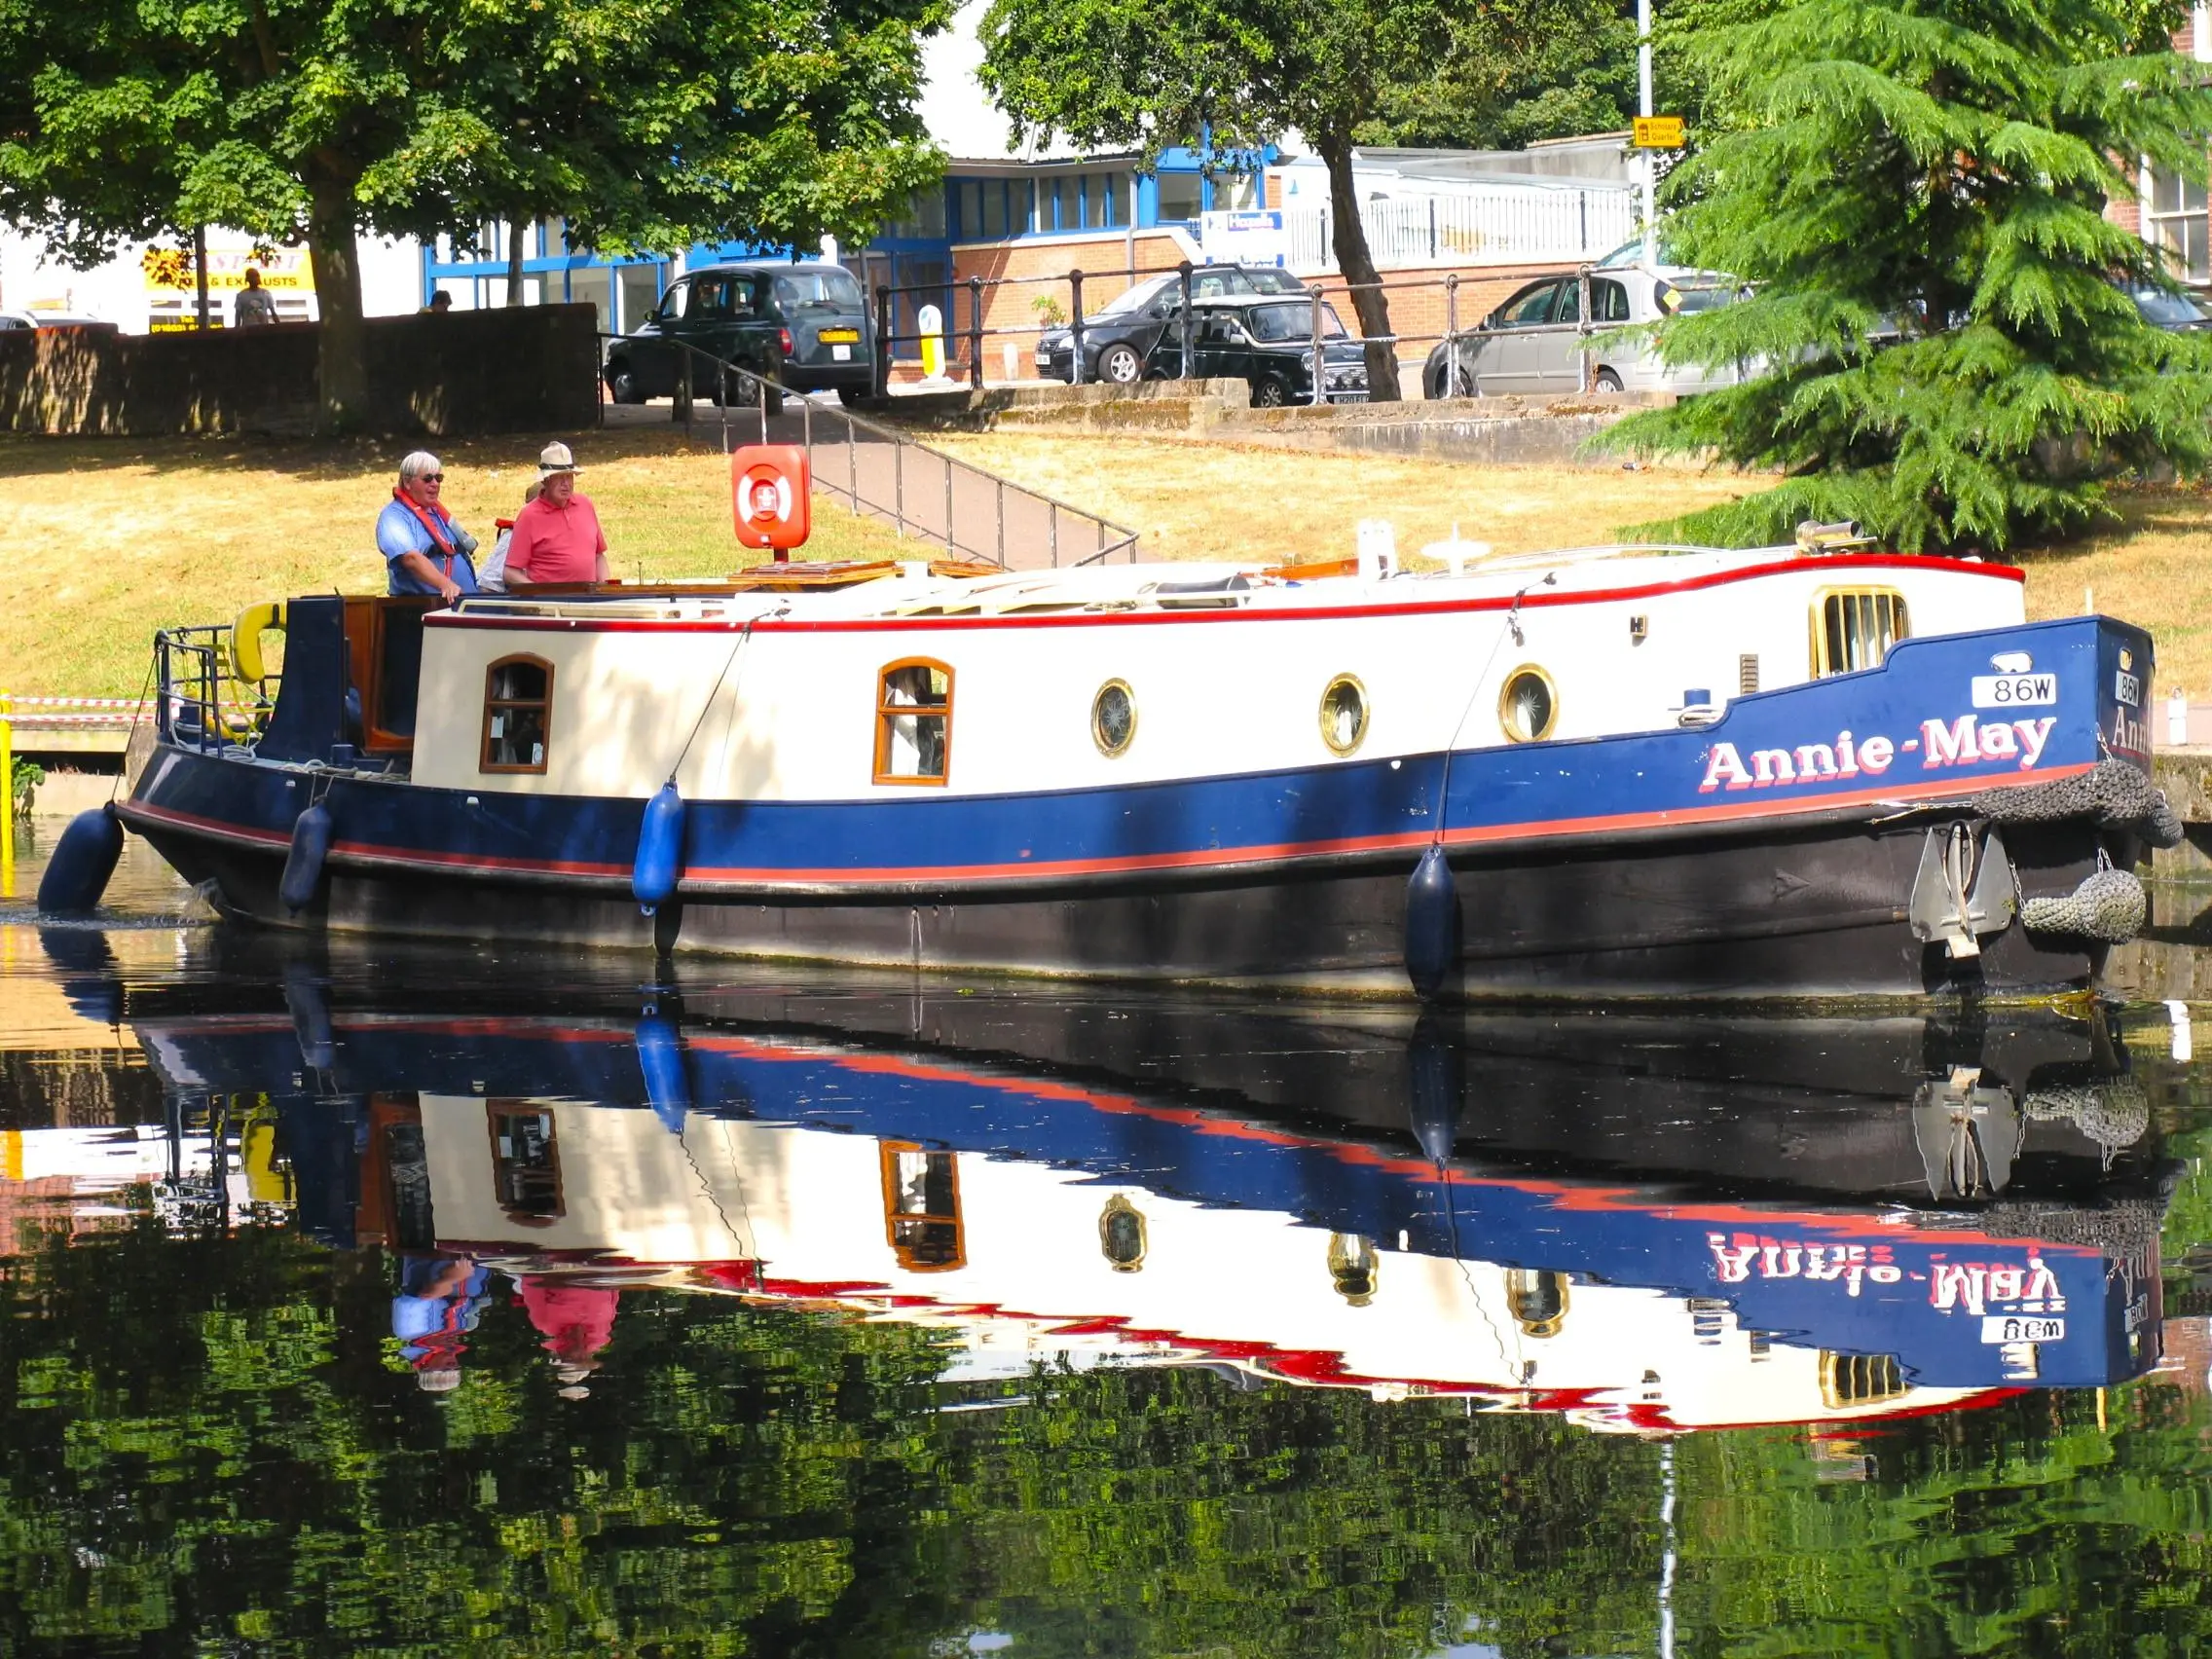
(1771,851)
(1818,1270)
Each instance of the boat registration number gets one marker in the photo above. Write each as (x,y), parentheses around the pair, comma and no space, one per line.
(840,337)
(2014,690)
(1999,1328)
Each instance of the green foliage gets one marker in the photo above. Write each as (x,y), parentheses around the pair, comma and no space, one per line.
(202,1448)
(23,781)
(649,125)
(1932,175)
(1534,69)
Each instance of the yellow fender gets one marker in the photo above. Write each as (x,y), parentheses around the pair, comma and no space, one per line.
(246,661)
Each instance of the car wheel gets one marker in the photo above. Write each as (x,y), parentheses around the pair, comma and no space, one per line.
(1606,381)
(1463,382)
(772,399)
(852,398)
(1120,366)
(1269,392)
(622,385)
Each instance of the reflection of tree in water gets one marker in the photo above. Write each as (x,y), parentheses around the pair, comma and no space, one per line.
(205,1444)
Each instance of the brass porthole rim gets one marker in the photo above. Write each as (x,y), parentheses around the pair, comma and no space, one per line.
(1505,702)
(1366,713)
(1113,751)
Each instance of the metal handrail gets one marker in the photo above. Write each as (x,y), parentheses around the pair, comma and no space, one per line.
(1112,539)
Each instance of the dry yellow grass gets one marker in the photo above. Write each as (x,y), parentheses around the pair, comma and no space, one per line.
(109,540)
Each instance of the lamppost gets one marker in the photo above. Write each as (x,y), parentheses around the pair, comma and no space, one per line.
(1645,108)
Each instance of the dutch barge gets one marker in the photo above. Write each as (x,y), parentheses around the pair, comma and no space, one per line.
(1814,769)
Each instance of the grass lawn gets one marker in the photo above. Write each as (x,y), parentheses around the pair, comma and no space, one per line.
(108,539)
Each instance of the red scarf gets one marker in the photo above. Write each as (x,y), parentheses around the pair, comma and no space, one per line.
(429,523)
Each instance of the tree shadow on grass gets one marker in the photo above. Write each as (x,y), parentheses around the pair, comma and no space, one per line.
(336,459)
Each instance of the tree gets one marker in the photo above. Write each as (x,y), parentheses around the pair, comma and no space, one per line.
(1915,193)
(648,127)
(1532,70)
(1145,74)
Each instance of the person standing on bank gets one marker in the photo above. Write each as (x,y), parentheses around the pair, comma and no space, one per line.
(557,538)
(423,550)
(255,305)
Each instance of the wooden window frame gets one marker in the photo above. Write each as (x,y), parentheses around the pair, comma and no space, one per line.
(886,712)
(484,761)
(906,1254)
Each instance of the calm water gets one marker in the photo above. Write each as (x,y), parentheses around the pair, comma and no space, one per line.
(399,1301)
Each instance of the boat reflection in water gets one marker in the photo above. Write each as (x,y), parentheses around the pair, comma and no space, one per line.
(1830,1220)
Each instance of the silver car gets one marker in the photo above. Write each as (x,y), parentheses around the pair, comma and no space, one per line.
(1553,335)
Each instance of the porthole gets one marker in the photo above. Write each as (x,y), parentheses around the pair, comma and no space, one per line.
(1527,704)
(1344,715)
(1114,719)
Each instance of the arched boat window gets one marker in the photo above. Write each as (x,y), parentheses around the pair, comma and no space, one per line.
(913,722)
(525,1162)
(921,1208)
(1860,1380)
(1854,628)
(518,715)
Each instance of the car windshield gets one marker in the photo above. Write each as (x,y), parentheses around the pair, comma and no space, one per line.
(1679,297)
(1136,299)
(827,290)
(2166,310)
(1271,324)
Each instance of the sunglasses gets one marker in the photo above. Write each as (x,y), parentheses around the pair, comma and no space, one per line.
(432,477)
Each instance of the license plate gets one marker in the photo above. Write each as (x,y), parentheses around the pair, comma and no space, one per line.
(840,337)
(841,353)
(1998,1329)
(2014,690)
(1044,357)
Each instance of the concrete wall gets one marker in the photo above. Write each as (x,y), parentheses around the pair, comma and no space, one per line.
(529,369)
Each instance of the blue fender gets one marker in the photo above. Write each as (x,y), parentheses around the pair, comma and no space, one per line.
(83,862)
(303,864)
(1432,924)
(660,850)
(668,1085)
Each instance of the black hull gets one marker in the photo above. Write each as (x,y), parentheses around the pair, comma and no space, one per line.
(1814,910)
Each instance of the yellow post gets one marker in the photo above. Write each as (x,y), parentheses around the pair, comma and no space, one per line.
(7,797)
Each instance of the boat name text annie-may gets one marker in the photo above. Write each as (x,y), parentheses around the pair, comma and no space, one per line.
(1963,742)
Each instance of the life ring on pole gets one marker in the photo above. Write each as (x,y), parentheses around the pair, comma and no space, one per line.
(248,663)
(770,496)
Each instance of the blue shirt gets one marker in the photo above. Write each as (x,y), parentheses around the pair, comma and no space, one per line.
(400,532)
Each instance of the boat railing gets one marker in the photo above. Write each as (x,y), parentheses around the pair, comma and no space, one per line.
(200,702)
(880,472)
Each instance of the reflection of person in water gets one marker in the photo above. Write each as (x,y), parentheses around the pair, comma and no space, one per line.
(577,1321)
(439,1300)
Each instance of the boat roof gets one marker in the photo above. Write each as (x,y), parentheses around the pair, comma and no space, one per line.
(1470,574)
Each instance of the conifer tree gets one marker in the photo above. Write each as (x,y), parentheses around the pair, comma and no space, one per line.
(1913,192)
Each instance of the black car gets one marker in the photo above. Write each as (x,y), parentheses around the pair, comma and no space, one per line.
(1268,342)
(1121,338)
(803,325)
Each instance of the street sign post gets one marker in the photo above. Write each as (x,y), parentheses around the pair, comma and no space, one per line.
(1658,132)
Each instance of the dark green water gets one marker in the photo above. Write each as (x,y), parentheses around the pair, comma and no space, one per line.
(369,1300)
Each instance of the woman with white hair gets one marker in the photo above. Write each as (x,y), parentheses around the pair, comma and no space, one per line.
(423,550)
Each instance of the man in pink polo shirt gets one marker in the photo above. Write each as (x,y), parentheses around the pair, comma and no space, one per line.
(557,538)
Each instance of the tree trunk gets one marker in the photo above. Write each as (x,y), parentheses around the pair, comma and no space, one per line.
(342,361)
(1357,268)
(516,231)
